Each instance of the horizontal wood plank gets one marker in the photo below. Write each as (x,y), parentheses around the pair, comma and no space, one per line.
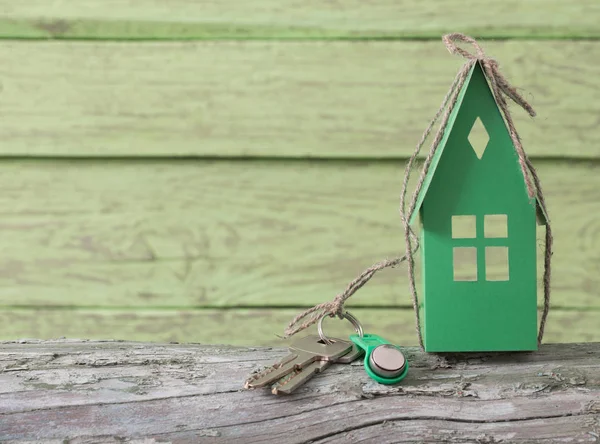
(139,233)
(227,19)
(244,326)
(275,99)
(108,392)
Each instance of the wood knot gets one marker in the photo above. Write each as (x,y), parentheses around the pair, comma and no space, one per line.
(56,28)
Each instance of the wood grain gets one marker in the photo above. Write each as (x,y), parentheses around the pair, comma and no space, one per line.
(367,99)
(189,19)
(108,391)
(260,326)
(195,233)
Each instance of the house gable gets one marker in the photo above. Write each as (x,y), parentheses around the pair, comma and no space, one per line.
(475,85)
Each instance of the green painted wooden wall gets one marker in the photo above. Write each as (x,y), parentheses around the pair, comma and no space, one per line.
(201,171)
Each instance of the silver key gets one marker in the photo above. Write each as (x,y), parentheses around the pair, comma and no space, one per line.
(306,354)
(291,382)
(294,380)
(351,356)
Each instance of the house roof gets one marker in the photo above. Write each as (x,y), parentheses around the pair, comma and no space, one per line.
(542,217)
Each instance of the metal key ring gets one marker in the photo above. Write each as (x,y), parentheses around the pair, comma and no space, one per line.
(346,315)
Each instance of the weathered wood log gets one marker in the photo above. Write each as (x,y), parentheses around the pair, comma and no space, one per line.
(81,391)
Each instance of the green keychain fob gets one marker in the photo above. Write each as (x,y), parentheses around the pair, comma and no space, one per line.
(384,362)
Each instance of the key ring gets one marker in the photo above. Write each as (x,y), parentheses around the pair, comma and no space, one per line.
(346,315)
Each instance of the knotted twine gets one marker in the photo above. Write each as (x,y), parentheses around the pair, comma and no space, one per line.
(501,90)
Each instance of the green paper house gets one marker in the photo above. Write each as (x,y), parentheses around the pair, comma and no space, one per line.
(478,234)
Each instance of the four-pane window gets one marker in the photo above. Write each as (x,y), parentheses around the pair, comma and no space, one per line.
(465,263)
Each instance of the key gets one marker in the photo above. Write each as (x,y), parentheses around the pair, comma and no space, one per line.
(305,354)
(351,356)
(294,380)
(290,383)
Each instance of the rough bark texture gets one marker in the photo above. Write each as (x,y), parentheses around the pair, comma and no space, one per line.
(83,392)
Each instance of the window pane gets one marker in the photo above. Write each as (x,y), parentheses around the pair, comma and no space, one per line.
(463,227)
(478,138)
(495,225)
(496,263)
(465,263)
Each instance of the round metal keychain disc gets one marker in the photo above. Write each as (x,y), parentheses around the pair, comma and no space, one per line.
(387,361)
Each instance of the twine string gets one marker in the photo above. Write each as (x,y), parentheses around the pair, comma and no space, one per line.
(501,89)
